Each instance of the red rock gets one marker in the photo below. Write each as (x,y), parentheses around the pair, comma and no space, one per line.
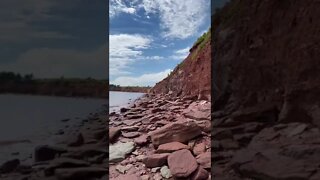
(142,140)
(200,174)
(127,177)
(198,111)
(182,163)
(204,160)
(156,160)
(199,148)
(130,134)
(181,131)
(171,147)
(113,133)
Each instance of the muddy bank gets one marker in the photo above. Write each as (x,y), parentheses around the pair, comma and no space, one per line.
(80,153)
(160,137)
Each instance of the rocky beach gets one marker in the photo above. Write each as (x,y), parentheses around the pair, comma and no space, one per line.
(161,137)
(80,154)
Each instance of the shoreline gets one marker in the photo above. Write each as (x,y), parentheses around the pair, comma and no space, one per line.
(80,148)
(136,132)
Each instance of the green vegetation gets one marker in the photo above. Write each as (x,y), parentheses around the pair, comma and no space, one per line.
(142,89)
(201,42)
(27,84)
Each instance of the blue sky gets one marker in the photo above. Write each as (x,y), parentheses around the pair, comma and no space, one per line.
(148,38)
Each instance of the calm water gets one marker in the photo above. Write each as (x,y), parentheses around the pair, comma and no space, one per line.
(26,121)
(121,99)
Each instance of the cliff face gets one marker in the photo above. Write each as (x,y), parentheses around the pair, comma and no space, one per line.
(268,52)
(192,77)
(266,90)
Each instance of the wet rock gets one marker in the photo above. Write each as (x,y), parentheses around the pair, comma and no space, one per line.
(77,140)
(9,166)
(171,147)
(100,133)
(292,154)
(80,173)
(180,131)
(182,163)
(200,174)
(113,133)
(155,160)
(24,169)
(60,132)
(46,152)
(123,110)
(120,150)
(64,163)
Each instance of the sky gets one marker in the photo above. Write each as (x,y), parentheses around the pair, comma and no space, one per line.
(148,38)
(54,38)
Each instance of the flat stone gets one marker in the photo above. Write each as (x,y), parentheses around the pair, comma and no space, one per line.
(9,166)
(130,134)
(171,147)
(180,131)
(199,148)
(120,150)
(200,174)
(156,160)
(80,173)
(204,160)
(182,163)
(141,140)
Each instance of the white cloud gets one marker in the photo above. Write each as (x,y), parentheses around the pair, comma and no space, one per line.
(180,54)
(53,63)
(153,57)
(179,18)
(143,80)
(124,50)
(118,6)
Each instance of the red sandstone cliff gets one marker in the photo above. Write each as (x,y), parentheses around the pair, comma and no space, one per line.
(192,77)
(266,89)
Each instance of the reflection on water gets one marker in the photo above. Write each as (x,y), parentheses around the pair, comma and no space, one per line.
(120,99)
(26,120)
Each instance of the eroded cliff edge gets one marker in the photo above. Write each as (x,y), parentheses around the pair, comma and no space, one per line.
(191,78)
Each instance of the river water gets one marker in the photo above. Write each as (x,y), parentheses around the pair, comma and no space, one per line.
(27,120)
(121,99)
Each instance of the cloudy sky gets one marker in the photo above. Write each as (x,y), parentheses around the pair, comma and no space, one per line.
(54,38)
(148,38)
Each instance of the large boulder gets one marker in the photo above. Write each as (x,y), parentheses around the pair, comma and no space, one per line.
(171,147)
(155,160)
(180,131)
(182,163)
(285,151)
(9,166)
